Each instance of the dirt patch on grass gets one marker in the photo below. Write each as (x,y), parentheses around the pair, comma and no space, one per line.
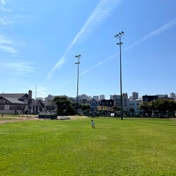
(11,119)
(71,117)
(77,117)
(173,118)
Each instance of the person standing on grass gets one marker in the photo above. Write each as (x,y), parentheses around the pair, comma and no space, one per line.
(93,124)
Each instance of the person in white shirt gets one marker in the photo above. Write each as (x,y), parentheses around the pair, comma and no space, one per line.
(93,124)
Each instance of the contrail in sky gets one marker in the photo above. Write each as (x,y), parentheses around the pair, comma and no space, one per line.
(160,30)
(2,1)
(101,12)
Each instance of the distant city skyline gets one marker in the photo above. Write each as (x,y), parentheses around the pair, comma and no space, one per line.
(40,39)
(130,96)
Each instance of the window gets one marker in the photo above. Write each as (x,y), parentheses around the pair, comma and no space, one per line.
(1,107)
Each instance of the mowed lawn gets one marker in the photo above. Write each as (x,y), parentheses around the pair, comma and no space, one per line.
(129,147)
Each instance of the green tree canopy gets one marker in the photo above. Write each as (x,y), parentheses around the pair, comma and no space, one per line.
(161,106)
(116,108)
(64,105)
(85,106)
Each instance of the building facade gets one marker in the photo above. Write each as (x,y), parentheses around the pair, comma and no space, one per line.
(149,98)
(109,103)
(134,106)
(93,105)
(16,103)
(172,95)
(102,97)
(96,97)
(117,100)
(135,96)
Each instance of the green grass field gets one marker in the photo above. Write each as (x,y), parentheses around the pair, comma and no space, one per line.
(129,147)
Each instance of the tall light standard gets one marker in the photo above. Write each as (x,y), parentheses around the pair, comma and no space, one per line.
(35,111)
(78,57)
(119,35)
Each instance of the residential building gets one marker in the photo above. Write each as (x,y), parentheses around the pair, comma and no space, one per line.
(125,101)
(109,103)
(135,95)
(102,97)
(172,95)
(93,104)
(96,98)
(16,102)
(134,104)
(148,98)
(162,96)
(111,97)
(117,100)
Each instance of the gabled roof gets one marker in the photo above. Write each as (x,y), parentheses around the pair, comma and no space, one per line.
(13,95)
(12,100)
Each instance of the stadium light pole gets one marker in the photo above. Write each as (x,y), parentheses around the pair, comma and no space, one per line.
(78,57)
(119,35)
(35,99)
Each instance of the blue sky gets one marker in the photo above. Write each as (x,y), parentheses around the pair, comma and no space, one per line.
(39,41)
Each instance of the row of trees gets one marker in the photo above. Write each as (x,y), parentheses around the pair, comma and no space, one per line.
(159,108)
(66,107)
(156,108)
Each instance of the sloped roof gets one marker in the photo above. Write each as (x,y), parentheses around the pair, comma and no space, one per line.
(13,95)
(13,100)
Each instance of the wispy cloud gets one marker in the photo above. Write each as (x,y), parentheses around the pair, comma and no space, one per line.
(2,6)
(2,2)
(20,66)
(5,40)
(101,12)
(4,21)
(159,31)
(8,49)
(7,45)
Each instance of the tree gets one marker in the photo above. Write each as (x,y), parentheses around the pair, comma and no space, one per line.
(131,109)
(161,107)
(145,106)
(85,106)
(164,106)
(50,107)
(116,108)
(64,106)
(87,112)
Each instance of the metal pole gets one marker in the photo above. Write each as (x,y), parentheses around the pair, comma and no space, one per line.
(35,99)
(121,95)
(78,57)
(119,35)
(78,81)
